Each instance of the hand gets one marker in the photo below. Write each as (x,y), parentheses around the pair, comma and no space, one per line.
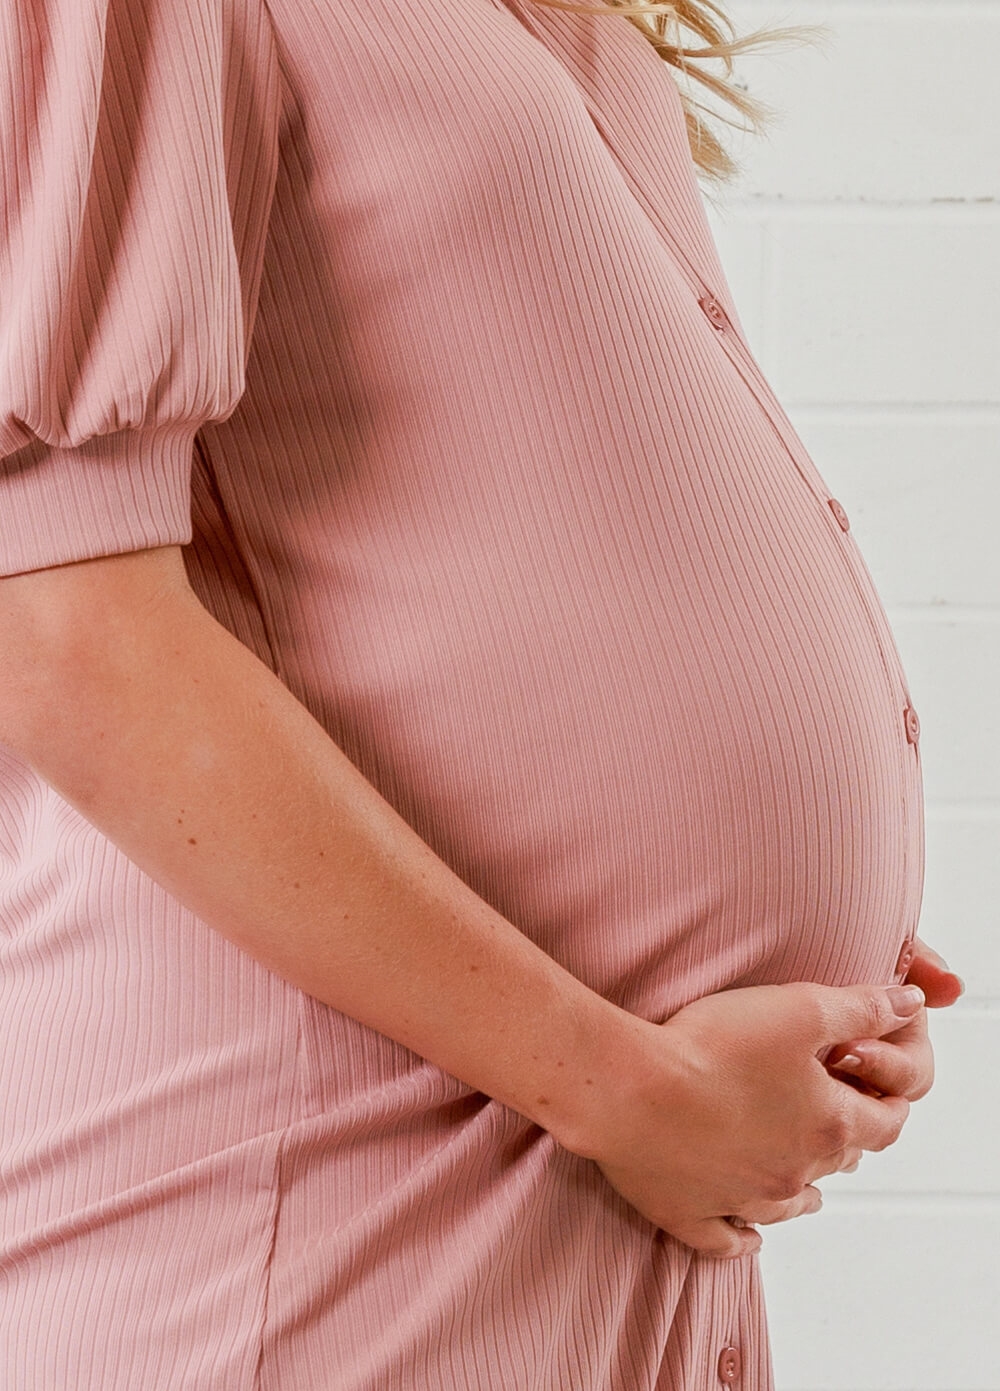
(902,1063)
(930,971)
(727,1109)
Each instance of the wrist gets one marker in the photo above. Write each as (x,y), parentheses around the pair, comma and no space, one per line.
(611,1060)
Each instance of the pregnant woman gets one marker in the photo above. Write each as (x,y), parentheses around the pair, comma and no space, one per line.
(459,793)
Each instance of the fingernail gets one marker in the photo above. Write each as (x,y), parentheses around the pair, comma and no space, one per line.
(961,983)
(905,999)
(849,1061)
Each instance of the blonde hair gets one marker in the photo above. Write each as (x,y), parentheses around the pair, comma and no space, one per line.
(662,22)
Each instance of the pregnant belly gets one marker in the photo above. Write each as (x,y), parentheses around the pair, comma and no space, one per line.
(677,775)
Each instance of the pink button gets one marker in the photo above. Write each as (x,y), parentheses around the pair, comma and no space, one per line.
(840,514)
(714,311)
(912,724)
(905,959)
(729,1365)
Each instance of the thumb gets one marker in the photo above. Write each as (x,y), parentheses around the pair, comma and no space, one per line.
(723,1238)
(869,1011)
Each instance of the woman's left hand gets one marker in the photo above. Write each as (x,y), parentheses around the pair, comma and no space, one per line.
(902,1063)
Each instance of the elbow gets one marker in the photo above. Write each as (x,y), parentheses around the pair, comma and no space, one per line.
(32,692)
(67,634)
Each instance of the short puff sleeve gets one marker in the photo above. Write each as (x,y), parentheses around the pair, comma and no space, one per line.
(138,159)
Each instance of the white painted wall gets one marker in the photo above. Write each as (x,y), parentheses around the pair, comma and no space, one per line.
(862,244)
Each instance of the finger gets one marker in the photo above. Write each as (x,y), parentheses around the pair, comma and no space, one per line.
(845,1161)
(862,1011)
(891,1069)
(931,973)
(913,1033)
(912,1042)
(720,1237)
(924,951)
(766,1214)
(873,1123)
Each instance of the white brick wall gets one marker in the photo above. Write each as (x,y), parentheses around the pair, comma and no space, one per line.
(862,244)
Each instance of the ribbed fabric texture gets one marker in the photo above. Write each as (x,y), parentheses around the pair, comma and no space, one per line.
(407,322)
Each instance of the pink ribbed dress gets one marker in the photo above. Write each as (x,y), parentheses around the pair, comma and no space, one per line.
(408,324)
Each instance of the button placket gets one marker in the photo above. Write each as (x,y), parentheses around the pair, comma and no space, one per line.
(757,384)
(748,368)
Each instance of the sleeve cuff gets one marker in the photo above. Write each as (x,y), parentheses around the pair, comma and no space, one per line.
(127,491)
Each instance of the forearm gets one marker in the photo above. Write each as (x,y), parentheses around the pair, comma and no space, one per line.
(177,743)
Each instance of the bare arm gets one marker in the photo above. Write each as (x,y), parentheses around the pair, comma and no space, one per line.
(171,737)
(168,734)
